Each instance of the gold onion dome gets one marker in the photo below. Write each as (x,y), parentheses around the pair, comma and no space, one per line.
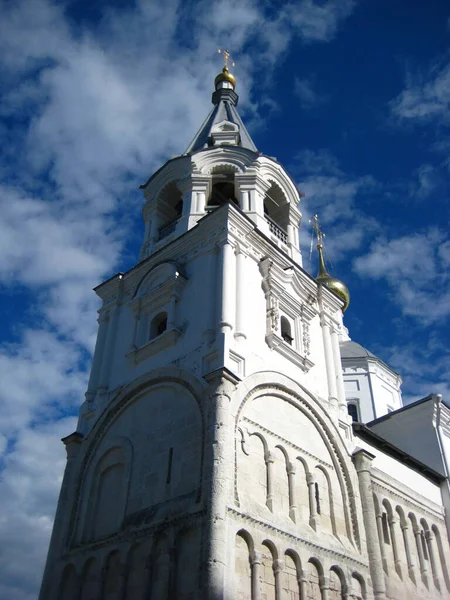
(333,284)
(225,75)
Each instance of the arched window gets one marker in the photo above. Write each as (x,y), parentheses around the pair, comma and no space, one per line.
(223,186)
(158,325)
(276,212)
(286,333)
(385,527)
(353,411)
(170,208)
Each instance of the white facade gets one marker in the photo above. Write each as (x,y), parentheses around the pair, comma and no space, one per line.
(214,456)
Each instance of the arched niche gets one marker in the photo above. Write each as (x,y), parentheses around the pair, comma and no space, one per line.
(163,415)
(107,489)
(276,412)
(243,551)
(68,587)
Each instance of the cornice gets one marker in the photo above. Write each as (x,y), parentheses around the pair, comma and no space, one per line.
(304,541)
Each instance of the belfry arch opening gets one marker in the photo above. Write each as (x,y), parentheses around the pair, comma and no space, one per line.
(223,188)
(170,209)
(276,211)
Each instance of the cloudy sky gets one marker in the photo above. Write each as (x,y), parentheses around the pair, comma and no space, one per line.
(351,96)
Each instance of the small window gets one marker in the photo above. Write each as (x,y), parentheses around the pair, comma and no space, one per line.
(158,325)
(285,327)
(352,409)
(385,526)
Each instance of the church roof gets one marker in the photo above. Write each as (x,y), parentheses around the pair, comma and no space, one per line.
(223,111)
(351,349)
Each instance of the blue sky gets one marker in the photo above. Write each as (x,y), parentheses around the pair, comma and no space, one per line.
(351,96)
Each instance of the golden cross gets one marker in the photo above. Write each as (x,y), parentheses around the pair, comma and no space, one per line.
(319,233)
(226,57)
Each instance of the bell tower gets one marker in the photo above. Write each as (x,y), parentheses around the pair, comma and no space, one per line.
(211,457)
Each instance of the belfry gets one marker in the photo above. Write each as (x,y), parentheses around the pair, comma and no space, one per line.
(220,452)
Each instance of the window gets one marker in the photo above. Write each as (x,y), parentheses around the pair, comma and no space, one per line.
(223,186)
(285,327)
(170,208)
(352,408)
(158,325)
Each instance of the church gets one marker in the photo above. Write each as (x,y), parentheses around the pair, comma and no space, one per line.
(234,442)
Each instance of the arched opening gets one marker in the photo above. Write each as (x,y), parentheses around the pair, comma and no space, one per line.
(286,331)
(158,325)
(243,572)
(68,584)
(170,208)
(353,411)
(276,212)
(222,187)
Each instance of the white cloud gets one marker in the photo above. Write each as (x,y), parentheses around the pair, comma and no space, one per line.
(333,194)
(425,97)
(305,92)
(415,269)
(319,21)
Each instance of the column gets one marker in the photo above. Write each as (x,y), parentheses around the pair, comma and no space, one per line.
(430,538)
(217,459)
(363,463)
(241,300)
(302,584)
(58,539)
(423,569)
(404,528)
(98,356)
(331,376)
(290,470)
(109,346)
(379,519)
(136,319)
(269,460)
(338,370)
(278,567)
(227,282)
(313,519)
(171,312)
(245,200)
(324,585)
(255,562)
(392,522)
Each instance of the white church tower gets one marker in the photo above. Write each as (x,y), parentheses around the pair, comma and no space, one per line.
(214,456)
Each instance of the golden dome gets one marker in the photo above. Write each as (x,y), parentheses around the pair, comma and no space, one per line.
(225,76)
(336,286)
(333,284)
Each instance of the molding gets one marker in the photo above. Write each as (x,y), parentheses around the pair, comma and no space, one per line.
(162,342)
(275,342)
(344,556)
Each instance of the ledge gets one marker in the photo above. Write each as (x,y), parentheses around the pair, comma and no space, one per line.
(163,341)
(277,343)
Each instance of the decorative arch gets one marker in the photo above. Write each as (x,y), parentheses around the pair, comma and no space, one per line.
(112,577)
(289,391)
(243,565)
(171,376)
(161,273)
(234,156)
(111,474)
(443,561)
(273,171)
(68,585)
(340,590)
(358,587)
(315,578)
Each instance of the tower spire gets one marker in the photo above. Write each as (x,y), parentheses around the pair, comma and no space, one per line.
(335,285)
